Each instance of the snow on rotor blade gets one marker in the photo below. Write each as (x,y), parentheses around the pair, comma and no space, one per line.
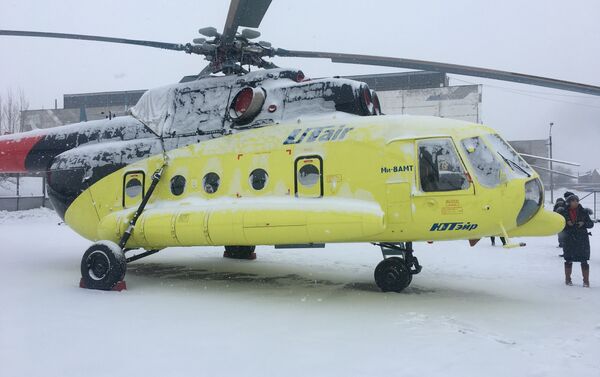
(463,70)
(550,159)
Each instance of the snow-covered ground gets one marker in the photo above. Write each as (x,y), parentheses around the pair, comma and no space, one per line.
(481,311)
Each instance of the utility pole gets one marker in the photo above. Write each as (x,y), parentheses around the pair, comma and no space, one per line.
(551,171)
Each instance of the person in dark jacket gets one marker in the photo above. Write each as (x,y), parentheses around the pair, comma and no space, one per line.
(577,242)
(560,202)
(559,207)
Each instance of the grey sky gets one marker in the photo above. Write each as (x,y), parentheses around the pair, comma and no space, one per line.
(548,38)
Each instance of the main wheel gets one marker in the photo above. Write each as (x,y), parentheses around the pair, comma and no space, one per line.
(392,275)
(103,265)
(240,252)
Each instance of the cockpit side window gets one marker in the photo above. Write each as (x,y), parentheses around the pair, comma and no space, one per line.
(485,166)
(440,168)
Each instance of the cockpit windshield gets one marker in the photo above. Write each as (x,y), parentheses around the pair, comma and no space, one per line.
(512,159)
(485,165)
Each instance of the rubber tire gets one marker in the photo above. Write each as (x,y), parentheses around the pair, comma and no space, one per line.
(103,253)
(392,275)
(239,252)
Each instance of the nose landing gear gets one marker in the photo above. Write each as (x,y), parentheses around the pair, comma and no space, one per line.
(104,265)
(394,274)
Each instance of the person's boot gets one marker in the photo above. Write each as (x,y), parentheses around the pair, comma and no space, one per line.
(568,270)
(585,271)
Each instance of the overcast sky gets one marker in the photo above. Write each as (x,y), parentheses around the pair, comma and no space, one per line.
(558,39)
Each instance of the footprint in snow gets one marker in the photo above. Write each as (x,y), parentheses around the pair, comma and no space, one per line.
(505,341)
(461,328)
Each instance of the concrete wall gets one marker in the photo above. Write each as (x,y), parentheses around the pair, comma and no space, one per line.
(456,102)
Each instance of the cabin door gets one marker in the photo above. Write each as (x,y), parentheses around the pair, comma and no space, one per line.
(308,177)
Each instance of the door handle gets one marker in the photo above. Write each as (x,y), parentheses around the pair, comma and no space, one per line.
(431,202)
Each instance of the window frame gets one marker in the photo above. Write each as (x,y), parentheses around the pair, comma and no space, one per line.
(171,184)
(250,183)
(320,168)
(124,194)
(204,182)
(465,191)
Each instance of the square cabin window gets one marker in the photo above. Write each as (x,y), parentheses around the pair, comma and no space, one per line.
(440,168)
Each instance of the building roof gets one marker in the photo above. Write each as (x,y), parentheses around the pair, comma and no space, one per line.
(126,98)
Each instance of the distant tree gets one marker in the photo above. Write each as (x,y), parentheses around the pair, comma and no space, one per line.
(11,107)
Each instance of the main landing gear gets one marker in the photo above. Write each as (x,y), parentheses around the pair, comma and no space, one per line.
(395,271)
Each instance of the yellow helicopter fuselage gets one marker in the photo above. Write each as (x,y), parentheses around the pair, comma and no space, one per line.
(335,179)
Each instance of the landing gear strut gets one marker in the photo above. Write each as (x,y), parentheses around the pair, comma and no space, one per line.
(394,273)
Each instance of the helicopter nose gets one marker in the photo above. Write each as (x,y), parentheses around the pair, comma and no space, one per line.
(544,223)
(14,150)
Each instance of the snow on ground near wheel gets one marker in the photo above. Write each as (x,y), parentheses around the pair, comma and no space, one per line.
(478,311)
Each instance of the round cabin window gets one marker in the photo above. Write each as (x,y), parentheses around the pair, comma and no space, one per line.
(308,175)
(133,188)
(211,182)
(177,185)
(258,179)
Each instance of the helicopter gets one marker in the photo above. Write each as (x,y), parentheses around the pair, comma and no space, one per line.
(239,158)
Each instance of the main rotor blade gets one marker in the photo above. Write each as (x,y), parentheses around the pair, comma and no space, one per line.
(164,45)
(445,67)
(248,13)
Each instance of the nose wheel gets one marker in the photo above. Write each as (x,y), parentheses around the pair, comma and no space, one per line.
(394,273)
(103,266)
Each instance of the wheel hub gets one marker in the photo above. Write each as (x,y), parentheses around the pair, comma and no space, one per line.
(98,265)
(392,277)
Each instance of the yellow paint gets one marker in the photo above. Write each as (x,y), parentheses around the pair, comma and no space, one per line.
(357,197)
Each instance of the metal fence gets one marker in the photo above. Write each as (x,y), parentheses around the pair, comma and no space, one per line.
(590,200)
(23,191)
